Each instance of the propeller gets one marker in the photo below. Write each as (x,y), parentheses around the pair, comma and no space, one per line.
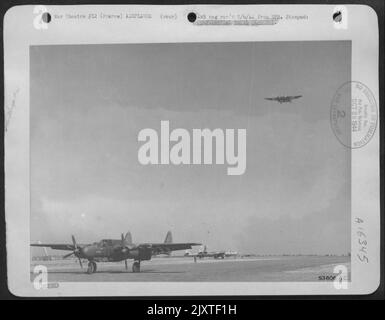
(76,252)
(124,249)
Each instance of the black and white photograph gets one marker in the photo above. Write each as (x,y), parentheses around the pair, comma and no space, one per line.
(221,160)
(198,138)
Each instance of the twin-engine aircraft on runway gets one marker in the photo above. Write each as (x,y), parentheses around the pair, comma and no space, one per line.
(203,253)
(215,254)
(283,99)
(118,250)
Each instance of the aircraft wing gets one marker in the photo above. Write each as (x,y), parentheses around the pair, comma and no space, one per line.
(56,246)
(296,97)
(157,247)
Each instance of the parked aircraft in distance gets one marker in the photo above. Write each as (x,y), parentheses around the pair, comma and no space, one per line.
(203,253)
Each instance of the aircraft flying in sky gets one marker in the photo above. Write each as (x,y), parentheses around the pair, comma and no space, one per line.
(283,99)
(117,250)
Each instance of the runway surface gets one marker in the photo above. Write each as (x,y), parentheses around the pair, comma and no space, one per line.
(293,268)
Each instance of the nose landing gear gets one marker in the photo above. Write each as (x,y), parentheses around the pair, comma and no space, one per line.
(136,266)
(91,267)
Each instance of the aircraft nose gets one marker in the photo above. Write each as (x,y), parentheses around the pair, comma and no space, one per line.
(86,251)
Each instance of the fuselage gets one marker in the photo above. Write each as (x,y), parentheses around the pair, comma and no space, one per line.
(111,250)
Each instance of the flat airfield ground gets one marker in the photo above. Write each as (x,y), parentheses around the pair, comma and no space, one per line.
(258,269)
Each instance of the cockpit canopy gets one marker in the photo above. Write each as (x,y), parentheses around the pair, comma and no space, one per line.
(107,242)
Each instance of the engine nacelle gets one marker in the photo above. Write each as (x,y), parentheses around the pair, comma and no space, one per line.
(145,254)
(140,253)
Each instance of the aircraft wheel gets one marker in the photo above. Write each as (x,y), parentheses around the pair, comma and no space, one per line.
(136,266)
(91,267)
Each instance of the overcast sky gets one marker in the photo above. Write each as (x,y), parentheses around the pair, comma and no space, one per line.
(89,102)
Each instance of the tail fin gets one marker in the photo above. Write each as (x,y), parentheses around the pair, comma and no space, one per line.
(44,248)
(168,238)
(203,249)
(128,238)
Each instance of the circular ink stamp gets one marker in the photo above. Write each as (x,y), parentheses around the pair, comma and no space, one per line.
(353,114)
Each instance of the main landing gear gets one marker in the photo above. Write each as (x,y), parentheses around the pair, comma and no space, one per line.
(136,266)
(91,267)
